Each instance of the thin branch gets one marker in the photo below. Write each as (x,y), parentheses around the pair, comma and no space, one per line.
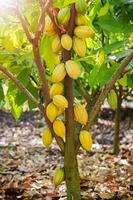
(53,19)
(41,22)
(107,88)
(41,71)
(24,25)
(21,87)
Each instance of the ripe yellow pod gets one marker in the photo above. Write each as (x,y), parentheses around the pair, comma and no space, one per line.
(73,69)
(59,176)
(60,111)
(56,45)
(60,101)
(59,128)
(66,42)
(57,88)
(80,20)
(85,140)
(51,111)
(47,137)
(59,73)
(83,32)
(79,46)
(80,114)
(49,27)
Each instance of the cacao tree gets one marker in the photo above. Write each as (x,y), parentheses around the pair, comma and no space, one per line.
(44,50)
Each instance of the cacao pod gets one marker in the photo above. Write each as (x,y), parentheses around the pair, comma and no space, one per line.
(59,73)
(123,81)
(80,114)
(83,32)
(85,139)
(60,101)
(80,20)
(73,69)
(112,99)
(64,15)
(49,27)
(81,6)
(56,45)
(59,176)
(56,88)
(66,42)
(79,46)
(47,137)
(59,128)
(51,111)
(60,111)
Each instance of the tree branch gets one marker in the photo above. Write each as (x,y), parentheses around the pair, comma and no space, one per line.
(107,88)
(24,25)
(41,22)
(21,87)
(41,71)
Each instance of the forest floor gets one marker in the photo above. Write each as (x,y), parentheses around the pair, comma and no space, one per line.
(26,167)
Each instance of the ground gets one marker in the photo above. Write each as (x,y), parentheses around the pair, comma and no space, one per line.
(26,167)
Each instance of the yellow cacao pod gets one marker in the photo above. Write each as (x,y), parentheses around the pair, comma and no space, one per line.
(56,88)
(51,111)
(83,32)
(80,114)
(80,20)
(47,137)
(112,99)
(60,111)
(66,42)
(85,139)
(56,45)
(60,101)
(64,15)
(59,73)
(59,176)
(73,69)
(79,46)
(49,27)
(59,128)
(81,6)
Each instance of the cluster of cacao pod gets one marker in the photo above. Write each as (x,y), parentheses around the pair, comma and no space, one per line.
(71,68)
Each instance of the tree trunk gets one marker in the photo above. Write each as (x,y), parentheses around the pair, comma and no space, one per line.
(71,172)
(117,123)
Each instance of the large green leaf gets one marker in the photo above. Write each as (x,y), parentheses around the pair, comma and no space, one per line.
(46,52)
(114,46)
(112,25)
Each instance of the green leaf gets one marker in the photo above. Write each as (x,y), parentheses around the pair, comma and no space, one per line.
(92,78)
(46,52)
(62,3)
(112,25)
(105,74)
(114,46)
(130,80)
(15,109)
(103,11)
(120,55)
(1,93)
